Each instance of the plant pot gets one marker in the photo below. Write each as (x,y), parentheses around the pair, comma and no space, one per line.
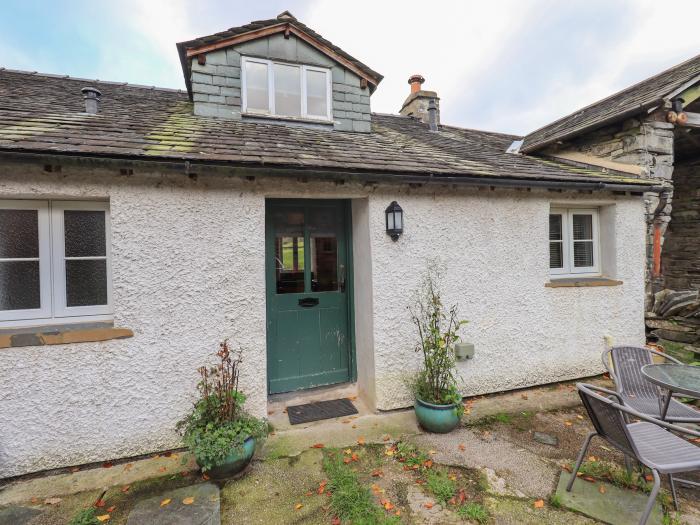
(235,462)
(437,418)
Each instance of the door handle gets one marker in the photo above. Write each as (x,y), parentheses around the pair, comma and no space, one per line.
(308,302)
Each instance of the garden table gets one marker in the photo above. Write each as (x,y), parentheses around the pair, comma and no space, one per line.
(673,378)
(680,379)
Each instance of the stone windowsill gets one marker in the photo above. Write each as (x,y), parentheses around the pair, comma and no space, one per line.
(279,118)
(582,282)
(61,334)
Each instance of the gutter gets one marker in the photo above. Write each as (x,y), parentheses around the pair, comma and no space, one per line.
(243,170)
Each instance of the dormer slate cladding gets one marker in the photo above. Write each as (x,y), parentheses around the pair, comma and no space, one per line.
(216,85)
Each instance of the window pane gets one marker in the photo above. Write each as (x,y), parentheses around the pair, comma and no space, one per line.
(555,228)
(583,254)
(85,233)
(316,93)
(287,90)
(19,234)
(556,255)
(324,264)
(256,86)
(86,282)
(289,262)
(19,285)
(583,227)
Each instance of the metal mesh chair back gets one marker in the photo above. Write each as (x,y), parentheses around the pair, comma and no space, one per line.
(608,421)
(628,362)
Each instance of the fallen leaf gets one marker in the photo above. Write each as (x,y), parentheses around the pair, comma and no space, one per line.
(100,503)
(452,477)
(591,458)
(353,398)
(354,426)
(335,521)
(428,463)
(162,469)
(420,481)
(75,469)
(567,468)
(397,513)
(462,496)
(568,423)
(428,505)
(601,489)
(173,455)
(432,452)
(128,467)
(167,454)
(309,493)
(126,488)
(346,460)
(103,518)
(389,452)
(377,473)
(298,506)
(524,396)
(376,488)
(188,501)
(649,477)
(462,447)
(589,479)
(387,437)
(108,464)
(579,416)
(270,412)
(111,509)
(347,451)
(539,504)
(346,421)
(361,440)
(355,457)
(52,501)
(35,500)
(318,445)
(165,502)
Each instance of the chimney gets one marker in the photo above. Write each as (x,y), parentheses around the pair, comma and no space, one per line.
(422,105)
(92,99)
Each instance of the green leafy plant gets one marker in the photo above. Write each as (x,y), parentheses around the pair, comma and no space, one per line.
(555,501)
(473,511)
(438,328)
(218,425)
(85,517)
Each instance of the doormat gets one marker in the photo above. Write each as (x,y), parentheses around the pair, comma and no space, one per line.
(320,410)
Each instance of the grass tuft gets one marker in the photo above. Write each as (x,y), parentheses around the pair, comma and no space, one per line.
(473,511)
(85,517)
(350,500)
(555,501)
(442,487)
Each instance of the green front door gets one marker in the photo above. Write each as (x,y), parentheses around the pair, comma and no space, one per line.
(308,313)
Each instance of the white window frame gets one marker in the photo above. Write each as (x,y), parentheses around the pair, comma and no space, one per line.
(568,269)
(52,266)
(328,117)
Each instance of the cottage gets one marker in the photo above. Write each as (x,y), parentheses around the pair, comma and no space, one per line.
(267,203)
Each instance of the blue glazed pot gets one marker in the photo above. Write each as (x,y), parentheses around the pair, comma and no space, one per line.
(437,418)
(235,462)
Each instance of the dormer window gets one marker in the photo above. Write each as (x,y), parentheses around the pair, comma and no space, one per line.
(285,90)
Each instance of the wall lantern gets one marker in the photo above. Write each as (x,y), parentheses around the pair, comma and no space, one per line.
(394,221)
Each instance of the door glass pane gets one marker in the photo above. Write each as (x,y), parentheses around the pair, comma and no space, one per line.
(289,263)
(316,93)
(86,282)
(583,254)
(287,90)
(256,86)
(19,285)
(19,234)
(324,263)
(583,227)
(85,233)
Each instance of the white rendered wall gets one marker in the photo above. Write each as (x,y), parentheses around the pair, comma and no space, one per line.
(188,270)
(494,246)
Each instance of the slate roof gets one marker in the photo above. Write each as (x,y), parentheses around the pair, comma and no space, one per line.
(631,101)
(45,114)
(283,18)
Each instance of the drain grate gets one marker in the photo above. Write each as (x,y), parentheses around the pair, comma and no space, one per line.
(320,410)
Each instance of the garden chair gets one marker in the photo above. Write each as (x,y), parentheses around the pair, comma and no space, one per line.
(647,441)
(638,393)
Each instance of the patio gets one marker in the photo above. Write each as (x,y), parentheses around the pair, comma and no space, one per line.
(502,466)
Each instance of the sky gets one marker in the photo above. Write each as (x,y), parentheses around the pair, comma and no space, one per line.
(499,65)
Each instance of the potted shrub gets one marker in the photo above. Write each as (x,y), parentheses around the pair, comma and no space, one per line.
(218,432)
(438,402)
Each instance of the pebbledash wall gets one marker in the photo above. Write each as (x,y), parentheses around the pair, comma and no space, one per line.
(188,270)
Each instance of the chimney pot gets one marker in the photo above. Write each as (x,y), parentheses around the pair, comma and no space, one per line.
(91,96)
(415,81)
(433,119)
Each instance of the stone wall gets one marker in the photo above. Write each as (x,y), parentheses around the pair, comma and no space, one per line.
(681,254)
(216,86)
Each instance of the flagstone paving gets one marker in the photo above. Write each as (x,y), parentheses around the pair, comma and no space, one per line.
(192,505)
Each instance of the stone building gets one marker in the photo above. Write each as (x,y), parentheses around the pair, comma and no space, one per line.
(140,226)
